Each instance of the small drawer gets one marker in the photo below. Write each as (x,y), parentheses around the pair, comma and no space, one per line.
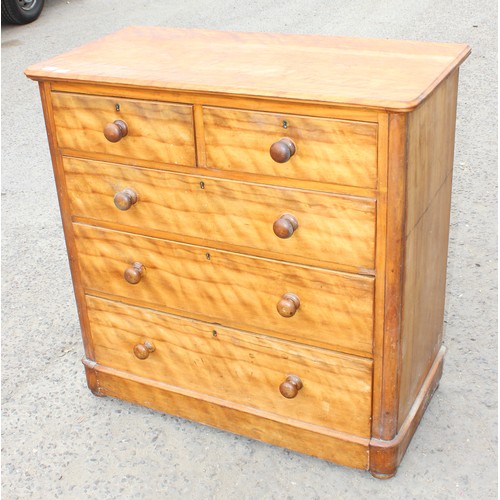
(325,150)
(154,131)
(323,229)
(332,390)
(303,304)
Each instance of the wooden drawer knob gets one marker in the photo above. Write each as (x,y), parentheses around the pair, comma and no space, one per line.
(115,131)
(134,274)
(125,199)
(291,386)
(142,351)
(288,305)
(285,226)
(282,150)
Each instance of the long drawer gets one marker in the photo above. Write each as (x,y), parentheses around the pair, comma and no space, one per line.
(335,310)
(240,367)
(156,131)
(326,150)
(331,229)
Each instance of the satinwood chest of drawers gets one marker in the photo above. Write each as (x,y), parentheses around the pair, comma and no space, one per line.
(257,228)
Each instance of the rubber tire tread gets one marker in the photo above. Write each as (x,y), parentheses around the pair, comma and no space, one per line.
(12,14)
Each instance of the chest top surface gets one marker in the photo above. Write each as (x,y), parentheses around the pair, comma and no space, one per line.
(376,73)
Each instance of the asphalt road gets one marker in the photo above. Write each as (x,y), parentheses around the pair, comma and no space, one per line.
(59,441)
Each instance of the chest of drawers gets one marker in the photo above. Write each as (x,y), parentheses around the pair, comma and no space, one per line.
(257,228)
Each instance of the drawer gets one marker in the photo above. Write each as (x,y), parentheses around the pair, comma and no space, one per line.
(239,367)
(327,150)
(331,229)
(157,131)
(335,309)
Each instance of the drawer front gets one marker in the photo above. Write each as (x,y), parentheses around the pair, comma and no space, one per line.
(331,229)
(327,150)
(157,131)
(236,366)
(335,310)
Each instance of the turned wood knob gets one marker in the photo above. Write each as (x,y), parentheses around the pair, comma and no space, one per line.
(115,131)
(125,199)
(142,351)
(291,386)
(282,150)
(134,273)
(285,226)
(288,305)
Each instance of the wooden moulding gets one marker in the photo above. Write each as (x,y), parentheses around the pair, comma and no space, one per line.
(324,150)
(235,290)
(335,231)
(385,456)
(338,447)
(380,457)
(159,132)
(228,364)
(392,165)
(388,299)
(64,204)
(402,73)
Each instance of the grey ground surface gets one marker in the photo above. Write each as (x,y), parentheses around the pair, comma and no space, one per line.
(59,441)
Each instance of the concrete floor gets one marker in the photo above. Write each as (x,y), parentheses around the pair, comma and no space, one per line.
(59,441)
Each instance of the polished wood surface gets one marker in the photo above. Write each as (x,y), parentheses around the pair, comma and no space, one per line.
(142,351)
(340,152)
(391,260)
(134,273)
(338,189)
(408,355)
(285,226)
(282,150)
(386,74)
(386,455)
(431,132)
(240,367)
(380,265)
(291,386)
(288,305)
(333,229)
(260,243)
(231,289)
(124,199)
(156,131)
(64,206)
(200,99)
(115,131)
(318,441)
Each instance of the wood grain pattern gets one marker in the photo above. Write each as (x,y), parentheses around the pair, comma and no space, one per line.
(389,292)
(336,309)
(385,456)
(227,174)
(431,140)
(253,103)
(302,67)
(306,438)
(333,229)
(64,203)
(380,274)
(157,131)
(192,297)
(241,367)
(431,137)
(386,385)
(331,151)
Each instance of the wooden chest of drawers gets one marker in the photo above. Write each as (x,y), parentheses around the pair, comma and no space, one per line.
(257,228)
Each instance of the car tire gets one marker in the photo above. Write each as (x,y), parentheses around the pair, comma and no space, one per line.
(21,11)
